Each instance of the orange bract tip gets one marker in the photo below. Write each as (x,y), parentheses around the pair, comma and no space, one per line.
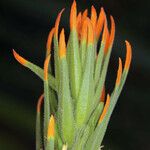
(84,16)
(73,15)
(112,32)
(49,40)
(57,23)
(119,73)
(40,100)
(105,37)
(20,59)
(51,128)
(128,55)
(93,16)
(46,63)
(79,17)
(90,32)
(105,32)
(105,109)
(84,30)
(102,98)
(62,44)
(100,22)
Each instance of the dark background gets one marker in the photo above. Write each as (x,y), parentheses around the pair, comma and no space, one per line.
(24,26)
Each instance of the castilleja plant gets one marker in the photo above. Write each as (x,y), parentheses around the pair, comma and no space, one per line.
(76,113)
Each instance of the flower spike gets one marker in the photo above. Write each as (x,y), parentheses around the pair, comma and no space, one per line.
(73,15)
(40,100)
(49,40)
(57,22)
(46,63)
(62,44)
(51,128)
(20,59)
(119,73)
(74,82)
(128,55)
(105,109)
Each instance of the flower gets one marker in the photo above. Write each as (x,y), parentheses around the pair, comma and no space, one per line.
(75,93)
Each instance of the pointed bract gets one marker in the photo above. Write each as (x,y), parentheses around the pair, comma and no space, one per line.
(119,73)
(100,23)
(73,16)
(46,63)
(112,32)
(105,109)
(40,100)
(128,55)
(49,41)
(51,128)
(93,17)
(90,33)
(20,59)
(57,23)
(62,44)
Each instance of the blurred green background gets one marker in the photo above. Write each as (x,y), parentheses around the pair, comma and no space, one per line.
(24,26)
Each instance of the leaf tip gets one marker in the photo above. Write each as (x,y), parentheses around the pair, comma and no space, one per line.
(62,44)
(128,55)
(20,59)
(51,127)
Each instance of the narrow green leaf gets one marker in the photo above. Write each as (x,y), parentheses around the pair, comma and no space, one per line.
(99,64)
(56,58)
(75,64)
(85,95)
(38,131)
(65,110)
(39,72)
(46,109)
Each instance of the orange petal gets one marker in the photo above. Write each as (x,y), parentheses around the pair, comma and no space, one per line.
(57,23)
(84,16)
(128,55)
(90,32)
(40,100)
(51,127)
(93,16)
(112,32)
(49,40)
(105,109)
(105,32)
(100,22)
(84,30)
(62,44)
(79,17)
(73,15)
(102,98)
(46,63)
(119,73)
(105,37)
(20,59)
